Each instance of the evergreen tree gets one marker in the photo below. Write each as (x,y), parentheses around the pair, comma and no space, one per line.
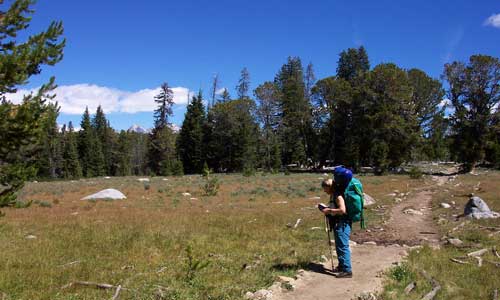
(161,151)
(49,160)
(392,122)
(225,96)
(123,155)
(474,91)
(105,137)
(89,148)
(268,97)
(190,142)
(427,95)
(231,136)
(296,112)
(353,63)
(71,165)
(243,84)
(215,87)
(21,125)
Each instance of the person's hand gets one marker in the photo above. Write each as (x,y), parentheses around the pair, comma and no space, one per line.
(327,211)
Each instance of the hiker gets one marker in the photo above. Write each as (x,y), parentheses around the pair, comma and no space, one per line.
(340,224)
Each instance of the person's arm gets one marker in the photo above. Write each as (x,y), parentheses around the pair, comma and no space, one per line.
(336,211)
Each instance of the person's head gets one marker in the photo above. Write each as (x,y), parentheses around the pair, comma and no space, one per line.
(327,186)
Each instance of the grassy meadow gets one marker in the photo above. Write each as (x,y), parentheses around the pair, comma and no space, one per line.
(160,241)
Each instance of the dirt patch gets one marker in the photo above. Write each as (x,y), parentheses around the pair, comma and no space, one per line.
(367,263)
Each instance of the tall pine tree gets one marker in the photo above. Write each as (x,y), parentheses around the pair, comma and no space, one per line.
(21,125)
(161,152)
(190,145)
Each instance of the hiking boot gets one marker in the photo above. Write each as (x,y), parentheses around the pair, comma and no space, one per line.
(344,275)
(337,269)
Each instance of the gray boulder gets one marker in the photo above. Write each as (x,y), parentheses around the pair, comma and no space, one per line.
(478,209)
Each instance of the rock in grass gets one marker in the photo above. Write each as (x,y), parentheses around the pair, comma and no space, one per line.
(143,179)
(478,209)
(30,237)
(455,242)
(368,200)
(410,211)
(445,205)
(367,296)
(106,194)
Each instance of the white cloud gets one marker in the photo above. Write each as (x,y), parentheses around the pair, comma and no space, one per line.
(74,98)
(493,20)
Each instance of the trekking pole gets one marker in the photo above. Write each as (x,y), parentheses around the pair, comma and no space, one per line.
(327,225)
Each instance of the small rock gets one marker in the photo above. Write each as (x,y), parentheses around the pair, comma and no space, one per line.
(370,243)
(284,279)
(453,203)
(143,179)
(445,205)
(301,272)
(165,179)
(367,296)
(315,228)
(392,194)
(397,200)
(368,200)
(262,295)
(455,242)
(186,194)
(352,243)
(249,295)
(410,211)
(315,198)
(74,213)
(30,237)
(193,198)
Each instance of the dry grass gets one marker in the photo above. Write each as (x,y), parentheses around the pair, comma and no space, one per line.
(141,243)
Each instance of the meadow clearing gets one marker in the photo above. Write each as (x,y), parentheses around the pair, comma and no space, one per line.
(162,243)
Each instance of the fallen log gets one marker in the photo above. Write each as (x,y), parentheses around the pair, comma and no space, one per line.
(117,293)
(477,253)
(89,284)
(410,288)
(495,252)
(435,286)
(459,261)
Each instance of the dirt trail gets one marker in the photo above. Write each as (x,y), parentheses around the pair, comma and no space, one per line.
(412,228)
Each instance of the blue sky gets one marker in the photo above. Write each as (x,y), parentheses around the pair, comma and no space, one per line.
(119,52)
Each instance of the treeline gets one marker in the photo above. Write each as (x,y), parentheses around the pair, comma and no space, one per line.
(361,116)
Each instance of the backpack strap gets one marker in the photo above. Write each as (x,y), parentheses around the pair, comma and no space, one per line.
(362,220)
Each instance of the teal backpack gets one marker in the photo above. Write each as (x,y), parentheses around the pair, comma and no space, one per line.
(354,201)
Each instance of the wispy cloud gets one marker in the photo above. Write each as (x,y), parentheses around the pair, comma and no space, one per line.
(493,20)
(452,44)
(74,98)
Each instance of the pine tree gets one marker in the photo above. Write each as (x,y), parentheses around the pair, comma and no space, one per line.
(190,146)
(268,97)
(475,95)
(225,96)
(393,123)
(21,125)
(353,64)
(296,112)
(243,84)
(161,152)
(71,164)
(215,87)
(49,160)
(123,155)
(89,148)
(105,137)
